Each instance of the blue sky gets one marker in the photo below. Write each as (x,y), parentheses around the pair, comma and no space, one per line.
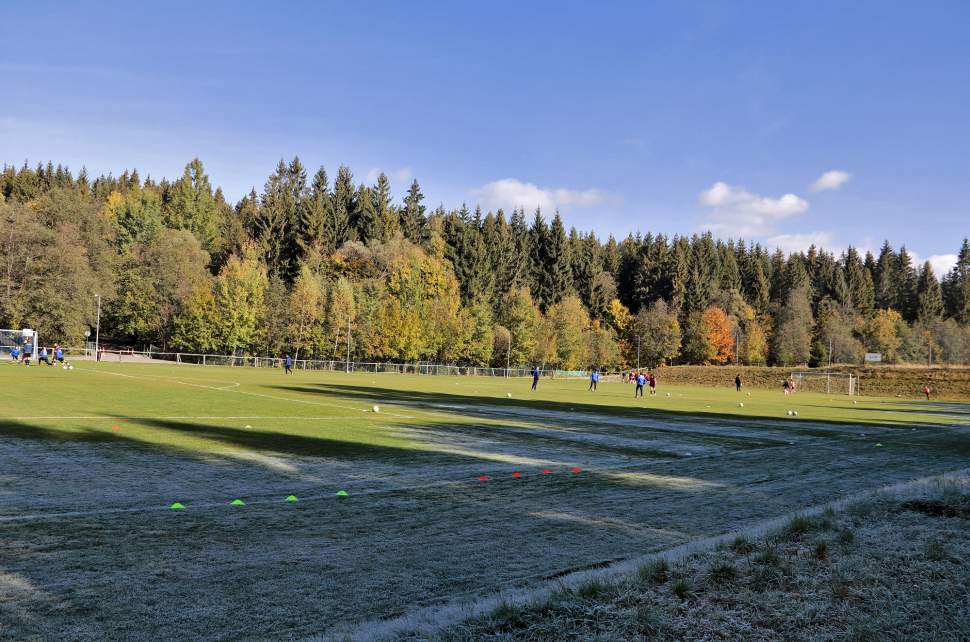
(664,116)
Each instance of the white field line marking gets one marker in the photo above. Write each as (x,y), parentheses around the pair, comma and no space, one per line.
(455,608)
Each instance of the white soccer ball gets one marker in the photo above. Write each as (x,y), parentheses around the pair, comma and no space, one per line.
(789,413)
(508,394)
(668,394)
(70,367)
(377,408)
(65,367)
(794,413)
(741,405)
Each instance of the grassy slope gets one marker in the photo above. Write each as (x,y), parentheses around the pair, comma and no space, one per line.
(885,568)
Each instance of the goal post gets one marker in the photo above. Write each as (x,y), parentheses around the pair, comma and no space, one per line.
(832,383)
(19,339)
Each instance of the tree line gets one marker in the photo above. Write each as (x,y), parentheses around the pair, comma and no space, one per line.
(311,266)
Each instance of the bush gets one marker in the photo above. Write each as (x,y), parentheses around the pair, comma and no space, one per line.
(682,589)
(821,550)
(647,620)
(655,572)
(742,545)
(721,573)
(846,536)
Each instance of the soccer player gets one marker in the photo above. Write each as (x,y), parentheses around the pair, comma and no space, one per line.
(44,357)
(594,377)
(535,377)
(288,364)
(641,379)
(27,353)
(786,387)
(58,353)
(14,354)
(926,391)
(737,381)
(652,379)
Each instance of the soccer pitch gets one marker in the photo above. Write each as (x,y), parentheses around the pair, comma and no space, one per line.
(454,489)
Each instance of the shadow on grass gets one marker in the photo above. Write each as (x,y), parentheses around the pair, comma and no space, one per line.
(489,405)
(257,441)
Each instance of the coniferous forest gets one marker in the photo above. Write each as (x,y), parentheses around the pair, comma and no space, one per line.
(310,258)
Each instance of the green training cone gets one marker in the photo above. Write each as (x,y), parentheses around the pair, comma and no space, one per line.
(237,502)
(342,493)
(176,506)
(291,498)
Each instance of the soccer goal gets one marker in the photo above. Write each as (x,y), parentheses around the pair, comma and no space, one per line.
(832,383)
(19,339)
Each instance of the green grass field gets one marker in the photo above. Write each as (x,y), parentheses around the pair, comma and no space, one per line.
(92,458)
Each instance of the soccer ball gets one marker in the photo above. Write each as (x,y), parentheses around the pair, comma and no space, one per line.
(794,413)
(668,394)
(64,366)
(741,405)
(791,413)
(70,367)
(377,408)
(508,394)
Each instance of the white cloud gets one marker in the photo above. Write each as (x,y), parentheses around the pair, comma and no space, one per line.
(510,193)
(790,243)
(832,179)
(941,263)
(738,212)
(400,178)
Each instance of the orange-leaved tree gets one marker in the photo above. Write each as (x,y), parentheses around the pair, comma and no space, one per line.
(717,329)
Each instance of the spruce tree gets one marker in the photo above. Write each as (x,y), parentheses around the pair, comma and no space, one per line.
(957,287)
(885,278)
(386,212)
(412,216)
(342,210)
(558,273)
(929,296)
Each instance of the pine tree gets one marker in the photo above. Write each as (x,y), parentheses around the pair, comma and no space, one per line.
(386,212)
(537,265)
(957,287)
(312,226)
(905,286)
(370,225)
(412,216)
(929,296)
(342,213)
(885,278)
(558,273)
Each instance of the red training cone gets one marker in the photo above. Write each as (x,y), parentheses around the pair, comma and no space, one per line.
(516,474)
(577,469)
(483,478)
(546,471)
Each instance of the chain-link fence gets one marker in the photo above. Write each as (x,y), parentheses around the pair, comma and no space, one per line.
(332,365)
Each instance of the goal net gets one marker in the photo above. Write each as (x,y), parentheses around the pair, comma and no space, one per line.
(832,383)
(19,340)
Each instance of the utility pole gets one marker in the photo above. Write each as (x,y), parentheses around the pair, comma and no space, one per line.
(830,351)
(97,328)
(638,352)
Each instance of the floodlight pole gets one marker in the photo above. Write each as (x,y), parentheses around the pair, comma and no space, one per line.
(97,327)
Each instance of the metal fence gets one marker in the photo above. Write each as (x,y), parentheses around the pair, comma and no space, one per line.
(242,361)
